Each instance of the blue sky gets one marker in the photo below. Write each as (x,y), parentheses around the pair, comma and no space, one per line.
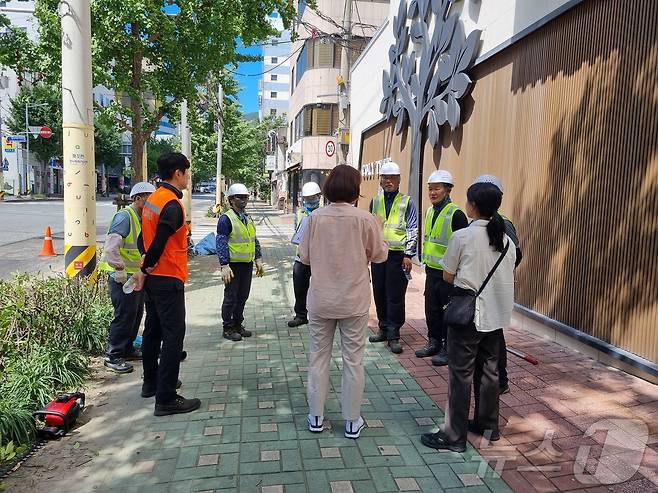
(248,95)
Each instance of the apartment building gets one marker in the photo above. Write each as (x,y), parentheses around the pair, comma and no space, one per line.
(314,110)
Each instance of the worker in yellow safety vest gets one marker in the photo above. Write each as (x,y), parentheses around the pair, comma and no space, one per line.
(301,274)
(238,250)
(121,258)
(399,216)
(442,219)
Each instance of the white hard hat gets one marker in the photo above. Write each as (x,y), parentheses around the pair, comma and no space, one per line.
(441,176)
(490,179)
(389,168)
(311,188)
(237,189)
(141,187)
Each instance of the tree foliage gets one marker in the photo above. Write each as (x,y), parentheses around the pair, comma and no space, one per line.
(243,146)
(17,51)
(46,109)
(154,61)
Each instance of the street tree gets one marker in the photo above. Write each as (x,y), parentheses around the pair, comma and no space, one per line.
(153,60)
(17,51)
(46,110)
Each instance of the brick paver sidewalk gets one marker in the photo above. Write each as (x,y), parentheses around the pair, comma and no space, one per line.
(250,434)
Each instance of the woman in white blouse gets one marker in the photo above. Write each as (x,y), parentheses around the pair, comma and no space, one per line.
(472,253)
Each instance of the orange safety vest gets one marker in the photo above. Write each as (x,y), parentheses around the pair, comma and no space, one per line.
(173,261)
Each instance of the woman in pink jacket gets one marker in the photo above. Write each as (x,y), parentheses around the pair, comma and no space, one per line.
(338,244)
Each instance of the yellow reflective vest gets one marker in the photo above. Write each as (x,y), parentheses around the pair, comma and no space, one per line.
(242,240)
(129,252)
(436,237)
(395,225)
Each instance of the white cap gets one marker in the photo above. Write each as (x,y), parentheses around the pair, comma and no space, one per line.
(141,187)
(490,179)
(441,176)
(311,188)
(389,168)
(237,189)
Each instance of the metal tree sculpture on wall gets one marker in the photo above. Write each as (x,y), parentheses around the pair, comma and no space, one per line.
(423,86)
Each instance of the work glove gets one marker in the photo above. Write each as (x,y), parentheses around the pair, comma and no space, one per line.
(260,268)
(121,276)
(227,274)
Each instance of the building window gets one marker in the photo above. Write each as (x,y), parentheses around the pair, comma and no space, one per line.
(275,60)
(273,94)
(316,120)
(274,77)
(324,53)
(272,112)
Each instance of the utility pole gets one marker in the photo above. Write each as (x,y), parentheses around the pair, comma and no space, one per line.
(186,147)
(26,161)
(3,84)
(78,133)
(343,85)
(220,129)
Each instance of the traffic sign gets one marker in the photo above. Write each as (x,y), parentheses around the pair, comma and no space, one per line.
(330,148)
(45,132)
(16,138)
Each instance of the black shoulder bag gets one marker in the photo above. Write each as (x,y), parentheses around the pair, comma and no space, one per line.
(460,310)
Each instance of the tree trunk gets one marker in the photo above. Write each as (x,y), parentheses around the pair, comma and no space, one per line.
(137,156)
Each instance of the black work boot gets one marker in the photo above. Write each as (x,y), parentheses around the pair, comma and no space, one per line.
(394,346)
(179,405)
(432,347)
(380,336)
(242,331)
(117,365)
(441,359)
(297,321)
(231,334)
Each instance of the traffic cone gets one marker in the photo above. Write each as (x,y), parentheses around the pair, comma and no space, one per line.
(47,249)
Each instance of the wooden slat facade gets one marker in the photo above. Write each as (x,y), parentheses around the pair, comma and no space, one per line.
(568,118)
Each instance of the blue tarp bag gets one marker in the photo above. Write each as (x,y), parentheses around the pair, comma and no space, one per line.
(207,246)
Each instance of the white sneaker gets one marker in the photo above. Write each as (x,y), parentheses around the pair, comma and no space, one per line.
(353,428)
(315,423)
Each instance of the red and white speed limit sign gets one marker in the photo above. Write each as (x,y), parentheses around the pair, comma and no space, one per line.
(330,148)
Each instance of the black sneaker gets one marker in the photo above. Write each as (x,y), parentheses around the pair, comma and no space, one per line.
(439,441)
(118,365)
(232,335)
(432,348)
(380,336)
(179,405)
(133,354)
(297,321)
(149,390)
(504,389)
(440,359)
(491,435)
(242,331)
(394,346)
(183,355)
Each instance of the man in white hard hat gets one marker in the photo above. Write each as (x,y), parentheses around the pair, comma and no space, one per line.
(389,279)
(121,258)
(442,219)
(510,231)
(301,273)
(237,249)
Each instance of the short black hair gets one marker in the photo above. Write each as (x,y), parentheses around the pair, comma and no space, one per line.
(169,162)
(343,184)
